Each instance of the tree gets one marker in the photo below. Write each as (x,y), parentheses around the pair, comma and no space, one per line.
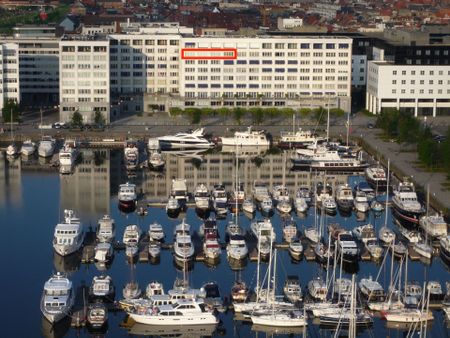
(77,119)
(257,115)
(99,119)
(305,112)
(238,113)
(195,114)
(174,111)
(10,109)
(320,115)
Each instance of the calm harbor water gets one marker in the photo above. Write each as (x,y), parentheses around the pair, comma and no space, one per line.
(32,201)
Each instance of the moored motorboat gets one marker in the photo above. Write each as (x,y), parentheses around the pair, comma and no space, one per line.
(237,247)
(296,249)
(173,207)
(97,315)
(106,229)
(201,197)
(46,146)
(156,232)
(156,161)
(154,249)
(249,206)
(127,197)
(69,235)
(131,290)
(185,140)
(28,148)
(406,205)
(102,288)
(247,138)
(58,298)
(292,289)
(434,225)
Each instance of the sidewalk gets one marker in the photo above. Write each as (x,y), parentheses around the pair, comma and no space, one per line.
(404,163)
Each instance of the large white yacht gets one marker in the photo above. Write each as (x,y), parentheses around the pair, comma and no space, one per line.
(182,312)
(132,235)
(57,298)
(406,205)
(376,177)
(102,287)
(434,225)
(186,140)
(298,139)
(127,195)
(263,229)
(69,235)
(179,189)
(28,148)
(46,146)
(68,154)
(247,138)
(328,160)
(237,248)
(183,247)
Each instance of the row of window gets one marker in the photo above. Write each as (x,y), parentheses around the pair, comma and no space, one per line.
(422,72)
(291,45)
(422,82)
(421,91)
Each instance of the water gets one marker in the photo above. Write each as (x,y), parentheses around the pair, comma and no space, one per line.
(31,203)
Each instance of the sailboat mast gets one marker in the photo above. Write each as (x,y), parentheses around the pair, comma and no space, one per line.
(259,261)
(274,273)
(270,269)
(406,271)
(387,195)
(328,257)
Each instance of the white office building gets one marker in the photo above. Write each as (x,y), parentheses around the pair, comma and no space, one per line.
(9,77)
(84,77)
(421,89)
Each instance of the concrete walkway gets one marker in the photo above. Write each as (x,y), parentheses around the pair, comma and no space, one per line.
(404,162)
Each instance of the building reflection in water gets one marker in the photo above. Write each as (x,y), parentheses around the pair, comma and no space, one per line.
(11,181)
(87,189)
(218,167)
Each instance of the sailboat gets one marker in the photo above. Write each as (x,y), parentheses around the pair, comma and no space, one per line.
(12,149)
(385,234)
(273,316)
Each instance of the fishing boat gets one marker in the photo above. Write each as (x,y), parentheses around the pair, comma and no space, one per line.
(185,140)
(28,148)
(58,298)
(156,160)
(407,207)
(201,197)
(69,235)
(156,232)
(292,289)
(106,229)
(237,248)
(97,316)
(127,196)
(247,138)
(102,288)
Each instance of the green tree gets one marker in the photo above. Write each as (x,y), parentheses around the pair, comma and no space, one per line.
(174,111)
(288,112)
(257,115)
(337,112)
(77,119)
(320,114)
(238,113)
(271,112)
(10,110)
(195,115)
(224,112)
(304,112)
(99,119)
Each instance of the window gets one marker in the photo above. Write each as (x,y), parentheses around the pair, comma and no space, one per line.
(304,46)
(317,46)
(394,72)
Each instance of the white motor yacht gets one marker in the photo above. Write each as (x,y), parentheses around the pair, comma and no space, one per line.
(179,189)
(183,246)
(423,249)
(57,298)
(156,232)
(280,193)
(371,290)
(344,197)
(361,202)
(211,246)
(292,289)
(183,312)
(434,225)
(386,235)
(312,234)
(279,318)
(237,248)
(201,197)
(247,138)
(68,154)
(28,148)
(185,140)
(266,206)
(97,315)
(106,229)
(102,287)
(445,247)
(285,207)
(262,229)
(154,249)
(296,249)
(132,235)
(12,150)
(154,288)
(131,291)
(289,230)
(406,205)
(298,139)
(347,247)
(46,146)
(317,289)
(260,191)
(127,196)
(365,233)
(153,144)
(68,235)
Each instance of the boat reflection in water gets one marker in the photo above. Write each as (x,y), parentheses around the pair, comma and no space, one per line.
(67,264)
(56,330)
(194,331)
(245,151)
(273,330)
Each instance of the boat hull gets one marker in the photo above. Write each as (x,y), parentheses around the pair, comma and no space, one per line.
(407,218)
(200,319)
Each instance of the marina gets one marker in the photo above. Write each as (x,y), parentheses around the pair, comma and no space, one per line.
(93,190)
